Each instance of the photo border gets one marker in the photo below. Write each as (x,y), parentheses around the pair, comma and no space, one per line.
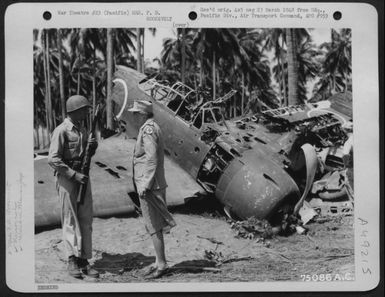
(380,61)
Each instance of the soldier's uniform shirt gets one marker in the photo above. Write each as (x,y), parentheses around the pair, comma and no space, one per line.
(68,143)
(148,173)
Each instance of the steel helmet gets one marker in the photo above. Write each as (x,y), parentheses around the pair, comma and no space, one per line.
(76,102)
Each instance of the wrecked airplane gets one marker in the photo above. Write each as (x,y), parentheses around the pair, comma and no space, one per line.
(262,165)
(257,166)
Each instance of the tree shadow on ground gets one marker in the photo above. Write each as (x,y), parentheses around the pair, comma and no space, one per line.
(193,266)
(118,263)
(203,204)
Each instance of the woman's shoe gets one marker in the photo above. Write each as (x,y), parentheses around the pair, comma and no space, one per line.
(149,270)
(158,273)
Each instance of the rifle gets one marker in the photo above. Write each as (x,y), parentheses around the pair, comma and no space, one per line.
(86,162)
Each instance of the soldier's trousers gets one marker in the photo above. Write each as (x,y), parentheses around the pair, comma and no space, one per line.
(76,219)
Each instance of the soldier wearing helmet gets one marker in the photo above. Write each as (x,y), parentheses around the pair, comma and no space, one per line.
(68,143)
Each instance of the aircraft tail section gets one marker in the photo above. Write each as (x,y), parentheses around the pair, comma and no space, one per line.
(125,84)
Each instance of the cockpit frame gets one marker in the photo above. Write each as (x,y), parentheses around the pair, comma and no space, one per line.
(183,102)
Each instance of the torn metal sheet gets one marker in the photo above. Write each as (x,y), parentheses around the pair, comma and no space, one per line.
(307,212)
(311,167)
(331,186)
(328,208)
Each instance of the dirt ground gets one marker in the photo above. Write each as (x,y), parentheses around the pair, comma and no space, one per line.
(203,247)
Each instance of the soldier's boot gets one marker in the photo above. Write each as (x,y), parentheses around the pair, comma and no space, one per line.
(86,268)
(73,268)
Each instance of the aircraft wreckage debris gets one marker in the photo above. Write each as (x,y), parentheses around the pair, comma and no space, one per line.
(262,165)
(253,164)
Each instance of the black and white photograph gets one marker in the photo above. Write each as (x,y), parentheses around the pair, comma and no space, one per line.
(248,133)
(187,154)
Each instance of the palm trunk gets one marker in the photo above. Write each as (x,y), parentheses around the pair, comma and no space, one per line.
(235,106)
(233,101)
(36,127)
(249,89)
(45,79)
(48,85)
(94,84)
(201,73)
(78,82)
(93,94)
(282,82)
(234,82)
(283,75)
(195,79)
(43,136)
(38,138)
(284,87)
(142,51)
(183,70)
(333,83)
(330,89)
(81,53)
(61,78)
(292,67)
(138,50)
(53,118)
(243,93)
(282,101)
(346,84)
(217,79)
(214,84)
(110,49)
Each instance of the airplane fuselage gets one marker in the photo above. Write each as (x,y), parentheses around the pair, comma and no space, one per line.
(245,171)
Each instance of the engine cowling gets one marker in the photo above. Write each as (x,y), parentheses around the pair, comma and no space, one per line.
(255,186)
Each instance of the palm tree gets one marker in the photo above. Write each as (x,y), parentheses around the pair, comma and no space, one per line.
(47,78)
(39,79)
(336,68)
(140,47)
(110,49)
(81,65)
(289,42)
(84,44)
(177,55)
(61,78)
(292,66)
(153,32)
(47,55)
(183,55)
(275,40)
(309,66)
(212,45)
(170,52)
(89,53)
(255,67)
